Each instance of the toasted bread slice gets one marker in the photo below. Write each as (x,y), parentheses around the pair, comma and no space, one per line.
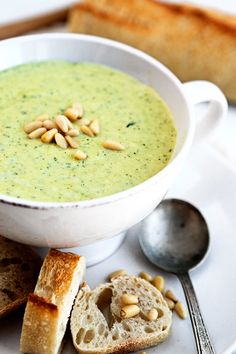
(48,308)
(96,324)
(194,43)
(19,268)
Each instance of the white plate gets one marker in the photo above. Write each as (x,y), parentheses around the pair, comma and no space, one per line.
(209,183)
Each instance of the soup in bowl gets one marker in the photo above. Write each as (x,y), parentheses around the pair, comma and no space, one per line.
(140,116)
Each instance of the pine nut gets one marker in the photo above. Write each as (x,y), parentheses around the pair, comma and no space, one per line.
(143,353)
(117,273)
(49,135)
(37,133)
(129,299)
(49,124)
(70,125)
(145,276)
(80,155)
(83,121)
(42,117)
(94,126)
(129,311)
(112,145)
(79,107)
(61,122)
(180,310)
(152,315)
(170,295)
(28,128)
(86,130)
(73,132)
(61,141)
(170,303)
(73,113)
(159,283)
(74,144)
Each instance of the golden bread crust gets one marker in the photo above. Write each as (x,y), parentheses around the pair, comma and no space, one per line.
(196,44)
(48,308)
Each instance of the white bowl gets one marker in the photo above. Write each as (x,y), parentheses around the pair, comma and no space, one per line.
(75,224)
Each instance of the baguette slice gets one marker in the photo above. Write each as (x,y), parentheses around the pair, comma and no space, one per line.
(19,268)
(48,308)
(195,43)
(97,327)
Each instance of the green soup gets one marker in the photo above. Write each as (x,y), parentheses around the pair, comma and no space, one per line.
(128,112)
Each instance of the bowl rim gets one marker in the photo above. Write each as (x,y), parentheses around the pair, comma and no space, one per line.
(41,205)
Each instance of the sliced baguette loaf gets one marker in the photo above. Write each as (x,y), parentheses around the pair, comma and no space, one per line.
(96,324)
(194,43)
(19,268)
(48,308)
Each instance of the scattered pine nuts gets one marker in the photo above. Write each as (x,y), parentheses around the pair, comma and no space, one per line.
(170,303)
(37,133)
(49,135)
(170,295)
(129,311)
(61,141)
(49,124)
(42,117)
(152,315)
(73,113)
(80,155)
(117,273)
(145,276)
(61,122)
(73,132)
(62,130)
(86,130)
(112,145)
(74,144)
(83,121)
(129,299)
(159,283)
(28,128)
(180,310)
(94,126)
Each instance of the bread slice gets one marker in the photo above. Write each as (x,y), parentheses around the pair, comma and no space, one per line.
(19,268)
(194,43)
(97,327)
(48,308)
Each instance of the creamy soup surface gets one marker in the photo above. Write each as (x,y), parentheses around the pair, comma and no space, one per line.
(128,112)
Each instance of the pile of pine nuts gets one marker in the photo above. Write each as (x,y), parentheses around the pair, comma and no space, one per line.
(129,302)
(62,131)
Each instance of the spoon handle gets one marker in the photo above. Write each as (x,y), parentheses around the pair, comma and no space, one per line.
(201,335)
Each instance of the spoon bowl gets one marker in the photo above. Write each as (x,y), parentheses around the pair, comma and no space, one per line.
(175,236)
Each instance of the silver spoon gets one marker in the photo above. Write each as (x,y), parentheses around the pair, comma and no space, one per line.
(175,238)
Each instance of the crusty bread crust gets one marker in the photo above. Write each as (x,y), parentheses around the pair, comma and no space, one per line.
(48,309)
(96,331)
(56,275)
(40,322)
(19,268)
(154,10)
(194,43)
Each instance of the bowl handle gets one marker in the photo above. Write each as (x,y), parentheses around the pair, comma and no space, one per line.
(204,91)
